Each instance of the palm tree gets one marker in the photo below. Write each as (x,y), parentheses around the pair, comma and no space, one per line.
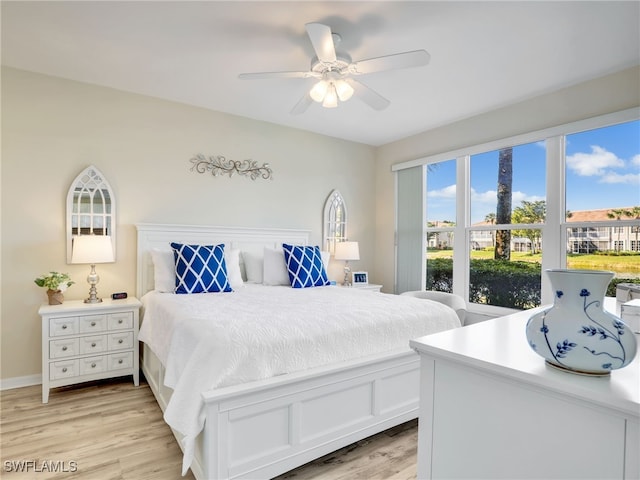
(490,218)
(634,212)
(502,249)
(617,213)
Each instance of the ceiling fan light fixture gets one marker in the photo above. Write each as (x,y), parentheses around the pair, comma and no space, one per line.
(335,70)
(319,91)
(344,90)
(331,98)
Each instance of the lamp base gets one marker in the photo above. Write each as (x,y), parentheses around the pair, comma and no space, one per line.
(347,271)
(93,280)
(93,295)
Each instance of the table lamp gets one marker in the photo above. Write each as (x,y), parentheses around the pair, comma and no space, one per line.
(347,251)
(92,249)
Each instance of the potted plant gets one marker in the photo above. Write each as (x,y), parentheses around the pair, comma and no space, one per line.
(55,283)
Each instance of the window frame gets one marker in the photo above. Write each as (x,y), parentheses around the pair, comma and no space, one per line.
(553,230)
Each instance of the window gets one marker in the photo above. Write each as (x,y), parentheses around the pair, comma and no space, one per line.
(575,203)
(607,161)
(507,205)
(441,221)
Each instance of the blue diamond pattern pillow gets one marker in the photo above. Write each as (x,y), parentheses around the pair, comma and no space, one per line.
(200,268)
(304,266)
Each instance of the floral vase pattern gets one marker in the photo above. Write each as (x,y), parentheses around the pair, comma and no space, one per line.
(55,297)
(576,333)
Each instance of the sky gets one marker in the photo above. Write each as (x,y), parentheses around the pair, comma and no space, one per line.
(603,172)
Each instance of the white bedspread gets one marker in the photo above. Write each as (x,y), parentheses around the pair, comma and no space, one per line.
(213,340)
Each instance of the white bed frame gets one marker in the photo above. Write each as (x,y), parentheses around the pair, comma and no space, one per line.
(264,428)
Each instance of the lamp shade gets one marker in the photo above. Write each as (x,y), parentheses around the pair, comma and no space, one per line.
(347,251)
(92,249)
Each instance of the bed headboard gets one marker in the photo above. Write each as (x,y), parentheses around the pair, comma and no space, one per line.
(152,236)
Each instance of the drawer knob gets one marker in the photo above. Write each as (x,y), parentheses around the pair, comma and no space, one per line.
(64,326)
(120,320)
(120,341)
(93,344)
(93,324)
(93,365)
(120,361)
(64,349)
(64,369)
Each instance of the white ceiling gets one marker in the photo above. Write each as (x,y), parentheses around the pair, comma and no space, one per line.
(484,55)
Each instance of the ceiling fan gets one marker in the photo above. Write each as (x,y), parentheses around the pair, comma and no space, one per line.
(335,71)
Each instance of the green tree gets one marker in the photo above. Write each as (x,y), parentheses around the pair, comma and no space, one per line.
(530,212)
(502,249)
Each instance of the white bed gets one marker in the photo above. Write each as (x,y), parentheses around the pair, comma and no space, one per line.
(265,418)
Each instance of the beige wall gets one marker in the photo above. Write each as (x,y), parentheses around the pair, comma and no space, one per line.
(608,94)
(53,128)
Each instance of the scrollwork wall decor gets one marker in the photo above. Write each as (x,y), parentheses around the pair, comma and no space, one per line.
(219,165)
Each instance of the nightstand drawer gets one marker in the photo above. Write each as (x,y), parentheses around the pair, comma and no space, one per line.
(93,323)
(119,341)
(63,369)
(67,347)
(93,344)
(63,326)
(93,365)
(118,361)
(120,321)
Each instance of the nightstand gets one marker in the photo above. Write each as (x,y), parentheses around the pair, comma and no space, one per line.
(367,286)
(89,341)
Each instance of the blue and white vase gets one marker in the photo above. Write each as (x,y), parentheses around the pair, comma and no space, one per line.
(576,333)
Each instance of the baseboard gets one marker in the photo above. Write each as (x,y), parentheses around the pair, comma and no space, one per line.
(18,382)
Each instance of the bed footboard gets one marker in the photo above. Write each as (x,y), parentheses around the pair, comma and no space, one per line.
(265,428)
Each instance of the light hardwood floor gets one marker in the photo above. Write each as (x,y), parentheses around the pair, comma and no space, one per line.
(114,431)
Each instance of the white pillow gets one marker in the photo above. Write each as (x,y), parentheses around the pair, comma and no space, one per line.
(164,269)
(326,256)
(275,268)
(234,274)
(253,266)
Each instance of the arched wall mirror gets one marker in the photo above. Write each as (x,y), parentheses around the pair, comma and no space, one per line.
(91,208)
(335,221)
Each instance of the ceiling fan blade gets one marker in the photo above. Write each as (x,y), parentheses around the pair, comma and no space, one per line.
(322,41)
(368,96)
(261,75)
(302,105)
(416,58)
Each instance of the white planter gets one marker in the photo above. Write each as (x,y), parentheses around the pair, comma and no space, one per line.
(576,333)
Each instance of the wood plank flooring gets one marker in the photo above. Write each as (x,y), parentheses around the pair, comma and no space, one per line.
(111,430)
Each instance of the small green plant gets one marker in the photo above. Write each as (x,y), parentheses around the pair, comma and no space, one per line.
(54,281)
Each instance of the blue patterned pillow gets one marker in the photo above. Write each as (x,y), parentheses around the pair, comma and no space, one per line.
(200,268)
(304,266)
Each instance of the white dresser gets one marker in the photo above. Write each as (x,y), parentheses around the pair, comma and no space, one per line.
(491,408)
(83,342)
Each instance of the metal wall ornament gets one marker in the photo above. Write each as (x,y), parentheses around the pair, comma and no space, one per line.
(219,165)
